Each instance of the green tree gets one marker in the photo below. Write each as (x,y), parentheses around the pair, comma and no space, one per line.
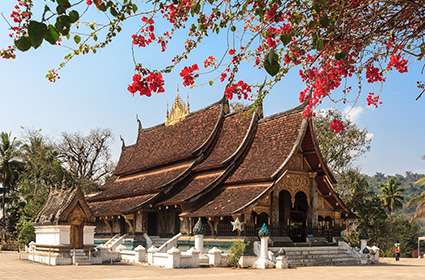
(10,164)
(392,195)
(340,149)
(26,232)
(42,171)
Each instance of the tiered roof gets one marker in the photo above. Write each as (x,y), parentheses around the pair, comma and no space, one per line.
(211,163)
(162,157)
(162,145)
(273,142)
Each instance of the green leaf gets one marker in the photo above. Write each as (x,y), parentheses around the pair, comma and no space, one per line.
(286,38)
(73,16)
(135,8)
(36,32)
(102,7)
(233,28)
(63,24)
(271,63)
(114,12)
(324,21)
(23,44)
(60,10)
(77,39)
(52,35)
(63,5)
(340,55)
(318,43)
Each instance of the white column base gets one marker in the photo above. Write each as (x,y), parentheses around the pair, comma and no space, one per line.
(263,263)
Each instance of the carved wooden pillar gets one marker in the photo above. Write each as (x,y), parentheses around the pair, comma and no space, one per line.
(275,208)
(314,200)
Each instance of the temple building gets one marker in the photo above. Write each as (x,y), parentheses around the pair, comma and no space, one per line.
(234,170)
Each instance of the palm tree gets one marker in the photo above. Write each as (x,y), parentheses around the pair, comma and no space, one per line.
(392,195)
(9,167)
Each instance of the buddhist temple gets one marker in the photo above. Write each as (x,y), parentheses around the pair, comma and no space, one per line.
(222,167)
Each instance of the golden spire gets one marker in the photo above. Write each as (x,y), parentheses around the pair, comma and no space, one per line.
(178,111)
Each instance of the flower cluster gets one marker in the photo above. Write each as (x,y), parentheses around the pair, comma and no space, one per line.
(147,35)
(210,61)
(177,12)
(188,74)
(398,62)
(20,12)
(150,82)
(373,74)
(240,89)
(321,81)
(20,16)
(337,126)
(373,100)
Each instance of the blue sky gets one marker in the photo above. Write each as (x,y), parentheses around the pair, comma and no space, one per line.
(92,93)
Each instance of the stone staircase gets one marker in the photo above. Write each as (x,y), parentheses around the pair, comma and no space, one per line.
(158,241)
(79,257)
(319,256)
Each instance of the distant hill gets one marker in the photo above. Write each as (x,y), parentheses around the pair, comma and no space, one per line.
(407,182)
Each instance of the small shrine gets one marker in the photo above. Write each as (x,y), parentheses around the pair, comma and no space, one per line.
(64,226)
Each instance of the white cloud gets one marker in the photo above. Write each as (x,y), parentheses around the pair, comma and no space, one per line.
(353,113)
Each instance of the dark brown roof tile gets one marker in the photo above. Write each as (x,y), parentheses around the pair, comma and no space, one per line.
(162,144)
(119,206)
(274,140)
(230,200)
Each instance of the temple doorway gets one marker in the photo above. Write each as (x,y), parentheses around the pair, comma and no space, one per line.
(152,224)
(298,219)
(285,206)
(77,228)
(262,218)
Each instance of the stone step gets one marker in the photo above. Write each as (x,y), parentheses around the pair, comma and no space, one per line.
(316,252)
(82,260)
(323,262)
(318,257)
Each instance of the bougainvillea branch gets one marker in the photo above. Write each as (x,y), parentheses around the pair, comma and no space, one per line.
(326,41)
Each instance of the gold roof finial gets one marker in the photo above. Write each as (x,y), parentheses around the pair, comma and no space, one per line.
(178,111)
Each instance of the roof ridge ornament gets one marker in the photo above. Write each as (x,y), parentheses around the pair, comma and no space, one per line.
(122,142)
(179,111)
(139,123)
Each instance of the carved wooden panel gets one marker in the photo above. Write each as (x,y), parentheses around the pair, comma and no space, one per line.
(294,183)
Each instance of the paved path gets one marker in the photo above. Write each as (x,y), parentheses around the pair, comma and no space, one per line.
(13,268)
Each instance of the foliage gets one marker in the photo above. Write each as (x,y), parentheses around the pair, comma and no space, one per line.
(340,149)
(235,252)
(392,195)
(10,166)
(406,232)
(43,171)
(370,208)
(42,167)
(249,249)
(26,233)
(326,41)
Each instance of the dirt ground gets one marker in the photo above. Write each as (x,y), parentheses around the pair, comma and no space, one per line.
(13,268)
